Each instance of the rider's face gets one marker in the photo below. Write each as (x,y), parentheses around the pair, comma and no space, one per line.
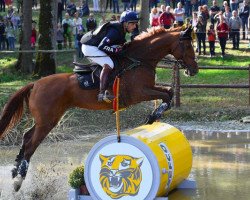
(131,26)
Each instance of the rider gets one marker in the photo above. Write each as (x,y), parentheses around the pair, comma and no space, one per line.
(102,44)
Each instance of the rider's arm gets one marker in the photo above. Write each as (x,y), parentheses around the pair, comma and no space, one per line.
(107,42)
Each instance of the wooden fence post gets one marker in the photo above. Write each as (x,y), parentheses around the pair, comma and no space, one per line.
(177,86)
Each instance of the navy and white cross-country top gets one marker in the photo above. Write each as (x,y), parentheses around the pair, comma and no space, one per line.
(106,39)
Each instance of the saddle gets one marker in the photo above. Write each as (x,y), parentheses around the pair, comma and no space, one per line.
(88,75)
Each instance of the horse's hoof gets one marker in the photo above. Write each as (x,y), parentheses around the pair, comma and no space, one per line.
(18,180)
(14,172)
(150,119)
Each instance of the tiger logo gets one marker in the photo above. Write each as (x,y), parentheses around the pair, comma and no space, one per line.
(120,175)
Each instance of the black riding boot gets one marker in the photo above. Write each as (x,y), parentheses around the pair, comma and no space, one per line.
(103,95)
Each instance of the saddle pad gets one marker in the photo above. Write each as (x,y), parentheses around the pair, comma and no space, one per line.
(87,82)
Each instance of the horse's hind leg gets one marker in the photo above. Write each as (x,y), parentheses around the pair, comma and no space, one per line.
(40,132)
(20,156)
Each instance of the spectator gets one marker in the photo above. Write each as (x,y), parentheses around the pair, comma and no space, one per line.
(222,32)
(244,14)
(109,3)
(174,3)
(179,14)
(205,14)
(201,35)
(166,19)
(8,2)
(10,35)
(10,12)
(133,5)
(18,5)
(188,8)
(113,18)
(126,4)
(115,6)
(71,8)
(154,17)
(34,4)
(203,2)
(91,23)
(59,36)
(64,3)
(103,20)
(227,14)
(195,4)
(33,36)
(15,21)
(118,17)
(234,5)
(162,9)
(77,26)
(59,11)
(234,25)
(2,34)
(2,5)
(223,8)
(213,11)
(211,40)
(67,30)
(95,6)
(194,19)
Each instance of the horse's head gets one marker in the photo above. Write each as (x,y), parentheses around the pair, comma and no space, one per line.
(183,51)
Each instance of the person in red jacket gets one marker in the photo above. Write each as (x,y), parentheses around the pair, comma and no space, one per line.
(222,31)
(33,35)
(211,39)
(166,18)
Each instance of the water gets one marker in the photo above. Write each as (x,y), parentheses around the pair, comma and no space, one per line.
(221,167)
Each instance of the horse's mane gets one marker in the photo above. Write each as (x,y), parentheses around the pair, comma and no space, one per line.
(155,31)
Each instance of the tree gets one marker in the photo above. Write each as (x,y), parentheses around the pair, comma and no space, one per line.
(144,22)
(45,61)
(24,63)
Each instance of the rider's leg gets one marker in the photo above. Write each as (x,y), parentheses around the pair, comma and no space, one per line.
(101,58)
(106,70)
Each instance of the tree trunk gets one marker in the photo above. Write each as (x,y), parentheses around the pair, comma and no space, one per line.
(45,61)
(144,22)
(24,62)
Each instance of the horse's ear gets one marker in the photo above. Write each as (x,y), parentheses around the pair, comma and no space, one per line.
(187,33)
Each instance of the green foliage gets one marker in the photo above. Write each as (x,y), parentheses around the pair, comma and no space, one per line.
(76,177)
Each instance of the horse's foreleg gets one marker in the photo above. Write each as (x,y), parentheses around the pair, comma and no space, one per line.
(166,94)
(20,156)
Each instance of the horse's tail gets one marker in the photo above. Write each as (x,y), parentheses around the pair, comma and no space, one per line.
(13,110)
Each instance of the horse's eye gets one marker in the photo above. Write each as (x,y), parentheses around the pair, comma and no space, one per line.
(109,163)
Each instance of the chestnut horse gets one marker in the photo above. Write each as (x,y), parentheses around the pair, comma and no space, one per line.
(49,97)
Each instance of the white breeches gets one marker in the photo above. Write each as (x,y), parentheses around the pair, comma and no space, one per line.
(99,56)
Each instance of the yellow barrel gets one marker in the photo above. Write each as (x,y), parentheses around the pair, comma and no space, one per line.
(150,161)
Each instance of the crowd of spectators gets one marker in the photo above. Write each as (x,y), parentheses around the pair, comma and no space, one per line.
(222,22)
(226,21)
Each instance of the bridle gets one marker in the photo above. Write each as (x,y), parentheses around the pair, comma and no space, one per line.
(179,61)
